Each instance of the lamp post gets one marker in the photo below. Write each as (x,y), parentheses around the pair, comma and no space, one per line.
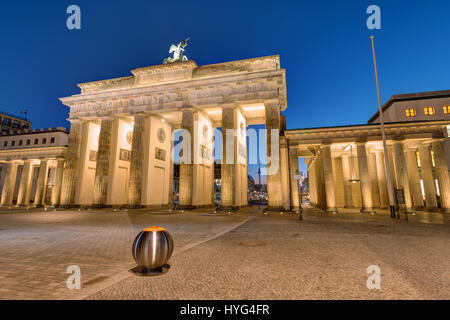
(383,135)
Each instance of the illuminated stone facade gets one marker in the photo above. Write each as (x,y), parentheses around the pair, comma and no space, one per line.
(346,165)
(120,142)
(31,167)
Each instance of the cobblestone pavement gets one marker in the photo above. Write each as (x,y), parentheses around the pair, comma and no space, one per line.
(249,255)
(36,247)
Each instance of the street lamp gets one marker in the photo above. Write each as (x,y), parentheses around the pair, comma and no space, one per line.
(383,135)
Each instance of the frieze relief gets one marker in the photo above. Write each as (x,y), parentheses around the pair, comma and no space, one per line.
(246,90)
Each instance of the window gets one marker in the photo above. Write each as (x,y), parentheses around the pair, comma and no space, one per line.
(26,126)
(52,140)
(429,111)
(7,121)
(5,144)
(28,142)
(13,143)
(44,141)
(410,112)
(36,141)
(20,142)
(16,124)
(446,109)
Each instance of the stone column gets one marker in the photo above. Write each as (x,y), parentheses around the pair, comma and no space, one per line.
(39,199)
(414,181)
(325,153)
(347,174)
(25,184)
(372,166)
(70,175)
(137,161)
(429,185)
(227,169)
(365,183)
(274,188)
(103,163)
(392,169)
(9,184)
(285,179)
(56,192)
(402,175)
(339,189)
(186,167)
(442,174)
(293,169)
(382,181)
(321,199)
(312,181)
(171,168)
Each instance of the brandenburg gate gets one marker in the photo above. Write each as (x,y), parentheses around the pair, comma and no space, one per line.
(120,141)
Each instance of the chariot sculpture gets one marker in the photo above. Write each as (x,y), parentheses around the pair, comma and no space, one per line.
(177,52)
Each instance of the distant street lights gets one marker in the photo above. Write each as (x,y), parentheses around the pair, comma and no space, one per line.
(383,135)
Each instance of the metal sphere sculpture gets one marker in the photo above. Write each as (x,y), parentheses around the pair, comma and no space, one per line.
(152,249)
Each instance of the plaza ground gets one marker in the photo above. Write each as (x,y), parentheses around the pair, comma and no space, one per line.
(244,255)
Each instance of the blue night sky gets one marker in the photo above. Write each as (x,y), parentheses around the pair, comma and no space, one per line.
(324,46)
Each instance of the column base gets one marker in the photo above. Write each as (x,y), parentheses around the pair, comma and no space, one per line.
(367,210)
(332,210)
(445,210)
(185,207)
(69,206)
(100,206)
(434,209)
(275,208)
(133,206)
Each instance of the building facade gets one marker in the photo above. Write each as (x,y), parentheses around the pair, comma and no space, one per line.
(346,167)
(119,150)
(10,123)
(31,167)
(120,142)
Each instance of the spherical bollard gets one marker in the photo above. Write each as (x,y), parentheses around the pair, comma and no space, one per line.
(152,249)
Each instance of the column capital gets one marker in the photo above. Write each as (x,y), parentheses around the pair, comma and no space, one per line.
(424,144)
(107,117)
(271,103)
(398,139)
(75,120)
(361,140)
(228,105)
(293,151)
(438,136)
